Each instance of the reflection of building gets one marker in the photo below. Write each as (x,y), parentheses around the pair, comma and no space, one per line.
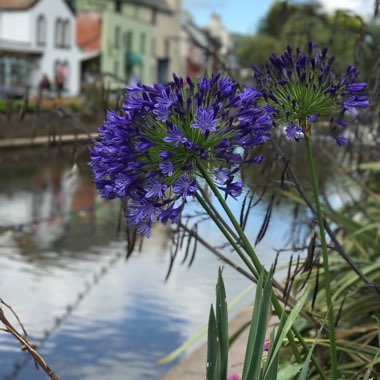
(37,37)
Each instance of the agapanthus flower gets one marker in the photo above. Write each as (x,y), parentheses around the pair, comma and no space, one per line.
(302,88)
(150,151)
(293,132)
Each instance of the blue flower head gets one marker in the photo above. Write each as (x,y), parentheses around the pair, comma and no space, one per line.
(302,88)
(148,152)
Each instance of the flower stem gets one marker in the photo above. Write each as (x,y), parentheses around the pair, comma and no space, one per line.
(257,264)
(226,234)
(327,277)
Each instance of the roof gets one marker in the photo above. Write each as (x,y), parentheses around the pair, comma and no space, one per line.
(19,47)
(196,34)
(88,31)
(16,4)
(159,5)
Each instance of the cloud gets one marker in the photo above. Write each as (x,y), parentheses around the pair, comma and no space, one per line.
(361,7)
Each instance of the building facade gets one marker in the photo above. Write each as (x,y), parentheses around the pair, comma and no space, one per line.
(139,38)
(198,49)
(165,18)
(217,31)
(37,39)
(125,40)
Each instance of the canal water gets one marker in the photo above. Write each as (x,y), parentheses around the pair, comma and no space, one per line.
(92,313)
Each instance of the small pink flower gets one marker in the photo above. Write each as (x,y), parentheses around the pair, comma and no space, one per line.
(266,345)
(233,376)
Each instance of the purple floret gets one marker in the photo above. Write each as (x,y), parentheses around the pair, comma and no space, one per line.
(303,85)
(293,132)
(149,150)
(184,187)
(175,136)
(205,120)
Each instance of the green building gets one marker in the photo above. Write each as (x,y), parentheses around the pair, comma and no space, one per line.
(125,39)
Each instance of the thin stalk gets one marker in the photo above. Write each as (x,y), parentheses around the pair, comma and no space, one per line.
(275,302)
(226,234)
(258,267)
(327,277)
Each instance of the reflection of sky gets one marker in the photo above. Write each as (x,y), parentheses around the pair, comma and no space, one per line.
(131,317)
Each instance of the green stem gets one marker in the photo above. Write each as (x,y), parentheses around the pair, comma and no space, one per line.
(226,234)
(327,277)
(258,266)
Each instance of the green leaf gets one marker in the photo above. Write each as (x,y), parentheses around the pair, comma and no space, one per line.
(288,372)
(256,339)
(378,327)
(369,370)
(306,364)
(282,332)
(212,347)
(272,374)
(370,166)
(222,324)
(253,329)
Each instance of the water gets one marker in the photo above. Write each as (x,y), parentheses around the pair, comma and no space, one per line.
(63,269)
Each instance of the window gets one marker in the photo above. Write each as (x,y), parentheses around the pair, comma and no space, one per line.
(153,47)
(154,17)
(167,48)
(117,37)
(41,30)
(118,6)
(66,34)
(2,71)
(58,33)
(142,43)
(116,68)
(128,40)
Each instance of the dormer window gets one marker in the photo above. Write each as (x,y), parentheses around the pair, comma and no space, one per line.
(41,30)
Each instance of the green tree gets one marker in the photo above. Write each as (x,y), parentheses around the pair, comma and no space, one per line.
(346,35)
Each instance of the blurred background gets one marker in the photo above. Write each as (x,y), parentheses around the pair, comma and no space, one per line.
(63,63)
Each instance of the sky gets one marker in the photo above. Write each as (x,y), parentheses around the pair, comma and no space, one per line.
(243,16)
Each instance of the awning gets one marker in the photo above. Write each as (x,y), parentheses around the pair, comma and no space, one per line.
(133,59)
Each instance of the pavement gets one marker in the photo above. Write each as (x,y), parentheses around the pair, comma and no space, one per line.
(193,367)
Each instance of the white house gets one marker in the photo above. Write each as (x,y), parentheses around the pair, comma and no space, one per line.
(37,37)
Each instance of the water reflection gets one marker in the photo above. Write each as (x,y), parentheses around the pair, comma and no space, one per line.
(62,268)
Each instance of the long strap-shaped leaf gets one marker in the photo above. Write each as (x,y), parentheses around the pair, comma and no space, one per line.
(285,329)
(257,332)
(222,325)
(213,350)
(306,364)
